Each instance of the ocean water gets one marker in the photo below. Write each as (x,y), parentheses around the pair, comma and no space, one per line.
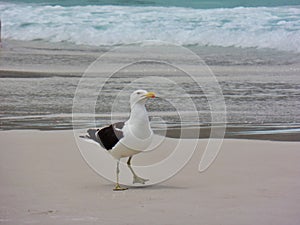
(255,43)
(261,89)
(257,24)
(198,4)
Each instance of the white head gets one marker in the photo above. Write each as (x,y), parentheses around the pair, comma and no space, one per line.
(140,96)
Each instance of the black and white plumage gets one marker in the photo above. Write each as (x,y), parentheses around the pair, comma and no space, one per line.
(108,136)
(125,139)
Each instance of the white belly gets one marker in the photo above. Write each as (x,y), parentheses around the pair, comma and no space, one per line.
(121,151)
(130,145)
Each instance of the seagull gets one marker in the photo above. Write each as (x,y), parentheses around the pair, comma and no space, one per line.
(125,139)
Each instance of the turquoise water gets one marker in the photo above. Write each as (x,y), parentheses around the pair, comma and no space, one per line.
(197,4)
(255,24)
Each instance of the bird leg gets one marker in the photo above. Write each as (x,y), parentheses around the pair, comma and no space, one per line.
(118,187)
(136,178)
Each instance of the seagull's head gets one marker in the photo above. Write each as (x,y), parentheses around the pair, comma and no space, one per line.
(140,96)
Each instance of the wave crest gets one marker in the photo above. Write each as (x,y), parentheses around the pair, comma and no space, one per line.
(259,27)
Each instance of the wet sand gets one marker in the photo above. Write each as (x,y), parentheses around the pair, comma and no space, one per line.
(260,88)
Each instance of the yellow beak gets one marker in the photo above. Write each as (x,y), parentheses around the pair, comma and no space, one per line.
(150,95)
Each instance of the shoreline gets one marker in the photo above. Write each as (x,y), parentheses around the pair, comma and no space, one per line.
(37,59)
(278,134)
(217,56)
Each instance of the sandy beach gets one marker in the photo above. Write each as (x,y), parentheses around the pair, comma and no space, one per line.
(219,69)
(44,180)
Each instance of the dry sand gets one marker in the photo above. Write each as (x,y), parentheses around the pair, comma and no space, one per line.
(44,180)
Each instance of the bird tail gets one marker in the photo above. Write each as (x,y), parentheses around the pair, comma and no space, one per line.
(92,136)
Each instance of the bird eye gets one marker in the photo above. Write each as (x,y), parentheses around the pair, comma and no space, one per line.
(138,93)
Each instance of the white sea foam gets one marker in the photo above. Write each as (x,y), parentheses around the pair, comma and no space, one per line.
(259,27)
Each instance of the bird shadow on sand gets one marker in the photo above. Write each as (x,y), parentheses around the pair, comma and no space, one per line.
(150,187)
(97,187)
(158,187)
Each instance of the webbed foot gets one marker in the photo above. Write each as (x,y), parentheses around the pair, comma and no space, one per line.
(119,188)
(139,180)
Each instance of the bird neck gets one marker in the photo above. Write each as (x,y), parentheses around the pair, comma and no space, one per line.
(138,123)
(139,114)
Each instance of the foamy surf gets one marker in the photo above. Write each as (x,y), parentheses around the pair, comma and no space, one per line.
(103,25)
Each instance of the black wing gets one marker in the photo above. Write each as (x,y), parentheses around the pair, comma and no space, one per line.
(109,136)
